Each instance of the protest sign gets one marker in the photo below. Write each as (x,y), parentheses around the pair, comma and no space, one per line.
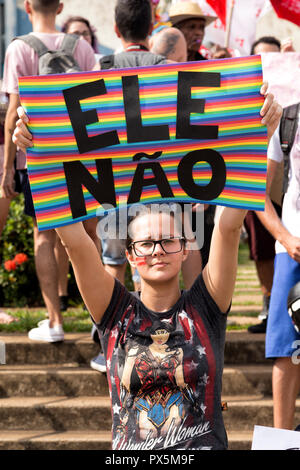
(187,132)
(282,72)
(267,438)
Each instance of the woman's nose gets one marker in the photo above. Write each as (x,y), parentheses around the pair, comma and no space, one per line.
(158,250)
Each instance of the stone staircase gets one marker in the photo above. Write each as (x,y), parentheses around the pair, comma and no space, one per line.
(50,399)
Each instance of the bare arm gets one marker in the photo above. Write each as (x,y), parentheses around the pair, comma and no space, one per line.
(10,148)
(94,283)
(269,218)
(220,272)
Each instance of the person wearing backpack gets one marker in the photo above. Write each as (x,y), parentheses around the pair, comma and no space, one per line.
(282,339)
(21,59)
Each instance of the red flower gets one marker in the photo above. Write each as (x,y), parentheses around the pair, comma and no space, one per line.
(10,265)
(20,258)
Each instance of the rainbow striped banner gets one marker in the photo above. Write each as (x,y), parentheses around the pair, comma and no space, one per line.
(233,106)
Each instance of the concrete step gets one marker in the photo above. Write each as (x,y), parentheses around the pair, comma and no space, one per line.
(241,347)
(247,380)
(55,413)
(72,440)
(51,380)
(245,412)
(71,381)
(93,413)
(77,349)
(240,440)
(67,440)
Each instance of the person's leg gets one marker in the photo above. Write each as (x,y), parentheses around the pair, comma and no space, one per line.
(286,387)
(262,251)
(49,330)
(4,209)
(63,264)
(265,272)
(47,272)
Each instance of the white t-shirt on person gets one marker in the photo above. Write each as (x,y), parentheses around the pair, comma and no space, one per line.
(291,202)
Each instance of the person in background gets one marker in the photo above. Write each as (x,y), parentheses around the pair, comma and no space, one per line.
(171,43)
(282,338)
(191,21)
(265,44)
(22,60)
(260,240)
(82,27)
(4,202)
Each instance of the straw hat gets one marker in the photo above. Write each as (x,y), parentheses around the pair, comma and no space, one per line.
(186,11)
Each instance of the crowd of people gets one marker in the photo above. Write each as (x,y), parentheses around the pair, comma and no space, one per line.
(162,348)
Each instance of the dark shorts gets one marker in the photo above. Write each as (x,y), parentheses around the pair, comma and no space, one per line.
(25,188)
(260,241)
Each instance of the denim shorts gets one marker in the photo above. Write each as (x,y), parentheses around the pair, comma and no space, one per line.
(113,247)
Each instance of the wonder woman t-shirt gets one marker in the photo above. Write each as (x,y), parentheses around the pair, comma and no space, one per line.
(164,371)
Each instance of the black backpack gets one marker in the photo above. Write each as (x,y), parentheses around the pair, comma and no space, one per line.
(51,62)
(287,132)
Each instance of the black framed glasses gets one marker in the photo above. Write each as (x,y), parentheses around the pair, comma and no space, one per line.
(85,34)
(147,247)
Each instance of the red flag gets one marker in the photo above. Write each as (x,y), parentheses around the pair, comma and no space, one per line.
(287,10)
(220,8)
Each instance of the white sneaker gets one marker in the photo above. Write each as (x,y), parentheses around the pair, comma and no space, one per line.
(43,332)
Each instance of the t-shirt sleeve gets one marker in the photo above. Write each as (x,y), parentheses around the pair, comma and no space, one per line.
(274,148)
(19,62)
(204,303)
(121,299)
(85,56)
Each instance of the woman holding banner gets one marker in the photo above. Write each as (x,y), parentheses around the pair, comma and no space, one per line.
(164,348)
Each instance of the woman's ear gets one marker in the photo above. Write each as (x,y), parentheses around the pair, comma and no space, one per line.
(185,252)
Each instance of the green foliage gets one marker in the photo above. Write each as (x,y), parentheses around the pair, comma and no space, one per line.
(19,287)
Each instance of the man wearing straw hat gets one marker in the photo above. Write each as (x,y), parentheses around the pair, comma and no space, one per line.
(190,19)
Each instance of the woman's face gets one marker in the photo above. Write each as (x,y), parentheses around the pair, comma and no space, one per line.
(159,266)
(160,336)
(80,28)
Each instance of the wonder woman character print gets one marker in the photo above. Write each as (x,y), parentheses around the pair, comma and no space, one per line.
(164,372)
(163,391)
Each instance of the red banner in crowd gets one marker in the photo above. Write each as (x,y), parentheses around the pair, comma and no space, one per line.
(286,9)
(220,8)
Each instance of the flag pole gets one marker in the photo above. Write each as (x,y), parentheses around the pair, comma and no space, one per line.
(228,23)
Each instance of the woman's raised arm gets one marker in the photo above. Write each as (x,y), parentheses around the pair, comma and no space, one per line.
(94,282)
(220,272)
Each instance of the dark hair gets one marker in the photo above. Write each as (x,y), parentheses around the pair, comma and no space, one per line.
(176,336)
(133,19)
(265,40)
(45,6)
(73,19)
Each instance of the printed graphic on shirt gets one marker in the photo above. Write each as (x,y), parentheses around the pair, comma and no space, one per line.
(164,376)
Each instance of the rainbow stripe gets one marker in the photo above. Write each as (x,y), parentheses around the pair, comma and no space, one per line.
(233,107)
